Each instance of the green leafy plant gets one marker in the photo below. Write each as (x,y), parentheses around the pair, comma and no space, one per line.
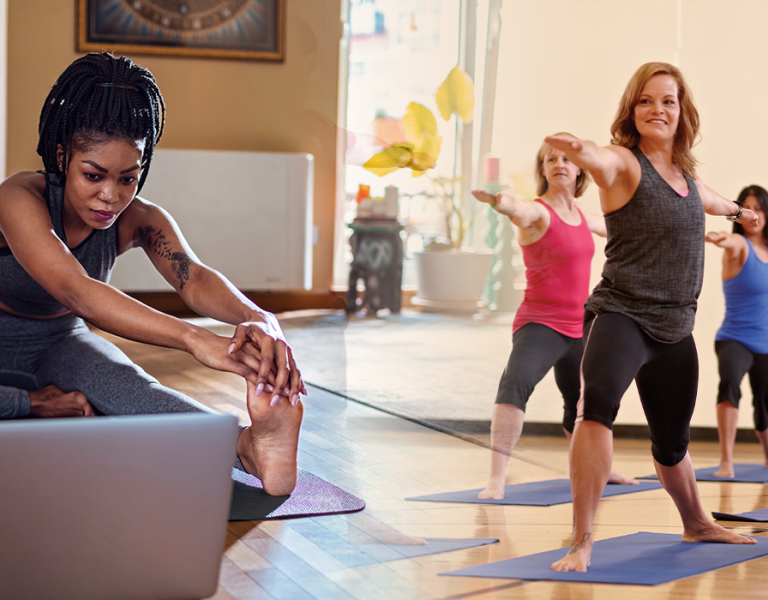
(420,151)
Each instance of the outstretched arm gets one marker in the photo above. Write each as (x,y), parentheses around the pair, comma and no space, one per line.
(522,213)
(211,294)
(736,251)
(604,164)
(596,223)
(715,204)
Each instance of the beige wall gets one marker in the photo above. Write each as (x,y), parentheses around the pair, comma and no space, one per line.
(212,104)
(564,66)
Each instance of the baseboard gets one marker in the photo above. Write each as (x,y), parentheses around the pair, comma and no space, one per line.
(638,432)
(275,302)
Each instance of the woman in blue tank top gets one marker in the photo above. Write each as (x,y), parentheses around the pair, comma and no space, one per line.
(741,342)
(60,231)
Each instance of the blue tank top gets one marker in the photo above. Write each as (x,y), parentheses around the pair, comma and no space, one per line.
(746,305)
(97,254)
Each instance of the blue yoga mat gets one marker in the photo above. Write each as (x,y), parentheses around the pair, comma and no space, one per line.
(757,516)
(636,559)
(743,473)
(536,493)
(313,496)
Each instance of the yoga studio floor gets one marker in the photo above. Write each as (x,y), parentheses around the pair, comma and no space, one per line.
(383,458)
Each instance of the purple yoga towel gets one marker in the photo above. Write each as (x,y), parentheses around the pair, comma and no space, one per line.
(313,496)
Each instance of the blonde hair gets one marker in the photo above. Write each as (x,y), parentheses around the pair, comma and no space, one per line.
(624,133)
(582,181)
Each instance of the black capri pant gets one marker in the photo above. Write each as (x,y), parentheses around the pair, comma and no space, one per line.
(537,348)
(734,360)
(616,351)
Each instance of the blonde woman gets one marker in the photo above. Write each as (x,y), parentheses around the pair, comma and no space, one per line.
(556,241)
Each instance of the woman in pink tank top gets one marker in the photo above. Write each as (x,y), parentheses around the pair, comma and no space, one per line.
(557,245)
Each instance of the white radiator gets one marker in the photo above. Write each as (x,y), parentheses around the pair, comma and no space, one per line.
(245,214)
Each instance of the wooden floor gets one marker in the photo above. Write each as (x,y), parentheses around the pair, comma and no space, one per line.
(384,459)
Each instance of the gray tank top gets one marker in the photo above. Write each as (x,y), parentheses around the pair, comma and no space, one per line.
(654,263)
(97,254)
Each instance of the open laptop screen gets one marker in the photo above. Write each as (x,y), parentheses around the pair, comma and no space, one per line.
(114,507)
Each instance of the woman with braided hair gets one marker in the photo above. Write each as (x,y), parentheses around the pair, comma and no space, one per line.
(61,230)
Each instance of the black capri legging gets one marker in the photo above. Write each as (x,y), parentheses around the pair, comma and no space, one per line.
(616,351)
(734,360)
(535,350)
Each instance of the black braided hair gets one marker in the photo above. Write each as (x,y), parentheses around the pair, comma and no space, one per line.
(96,98)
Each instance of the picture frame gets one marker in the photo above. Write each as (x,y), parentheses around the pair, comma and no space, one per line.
(238,29)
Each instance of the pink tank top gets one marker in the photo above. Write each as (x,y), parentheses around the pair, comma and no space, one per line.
(557,277)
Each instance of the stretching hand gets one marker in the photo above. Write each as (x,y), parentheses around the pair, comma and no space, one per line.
(487,198)
(275,357)
(564,143)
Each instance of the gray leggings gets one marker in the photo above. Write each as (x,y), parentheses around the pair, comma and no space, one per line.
(35,353)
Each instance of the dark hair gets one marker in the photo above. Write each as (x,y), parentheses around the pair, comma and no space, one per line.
(762,197)
(96,98)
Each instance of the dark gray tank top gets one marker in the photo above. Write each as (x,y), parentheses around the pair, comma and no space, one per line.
(654,258)
(97,254)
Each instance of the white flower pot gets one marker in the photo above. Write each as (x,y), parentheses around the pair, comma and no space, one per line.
(451,279)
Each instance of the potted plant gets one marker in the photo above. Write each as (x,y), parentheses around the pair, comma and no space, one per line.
(449,275)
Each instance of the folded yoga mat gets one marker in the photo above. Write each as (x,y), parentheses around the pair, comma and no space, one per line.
(313,496)
(744,473)
(536,493)
(757,516)
(636,559)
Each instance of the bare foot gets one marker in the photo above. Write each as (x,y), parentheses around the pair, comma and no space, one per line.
(725,470)
(494,490)
(578,556)
(51,402)
(616,477)
(714,533)
(269,446)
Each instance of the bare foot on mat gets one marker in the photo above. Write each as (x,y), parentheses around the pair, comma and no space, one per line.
(269,446)
(493,491)
(578,556)
(725,470)
(616,477)
(712,532)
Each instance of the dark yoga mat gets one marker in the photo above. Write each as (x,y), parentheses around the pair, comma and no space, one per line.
(756,516)
(536,493)
(744,473)
(636,559)
(313,496)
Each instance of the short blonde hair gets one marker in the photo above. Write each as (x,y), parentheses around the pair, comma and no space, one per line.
(582,181)
(624,133)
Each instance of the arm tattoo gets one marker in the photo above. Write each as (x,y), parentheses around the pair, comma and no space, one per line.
(155,241)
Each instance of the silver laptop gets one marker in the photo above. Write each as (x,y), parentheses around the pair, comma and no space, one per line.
(114,507)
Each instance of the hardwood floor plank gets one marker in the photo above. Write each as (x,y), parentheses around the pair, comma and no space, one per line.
(239,585)
(309,579)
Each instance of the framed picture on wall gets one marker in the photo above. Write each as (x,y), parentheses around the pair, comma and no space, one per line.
(245,29)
